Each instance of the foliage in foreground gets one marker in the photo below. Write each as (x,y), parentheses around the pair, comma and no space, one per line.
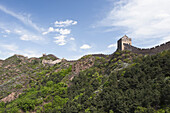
(118,85)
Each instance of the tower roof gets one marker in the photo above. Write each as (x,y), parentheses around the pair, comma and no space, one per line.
(125,37)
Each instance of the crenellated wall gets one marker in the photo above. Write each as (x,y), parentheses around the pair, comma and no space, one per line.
(150,51)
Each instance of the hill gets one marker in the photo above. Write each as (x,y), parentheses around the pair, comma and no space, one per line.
(120,82)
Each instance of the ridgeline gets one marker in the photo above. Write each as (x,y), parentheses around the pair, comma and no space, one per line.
(122,82)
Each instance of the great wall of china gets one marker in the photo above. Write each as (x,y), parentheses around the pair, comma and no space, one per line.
(149,51)
(123,43)
(133,49)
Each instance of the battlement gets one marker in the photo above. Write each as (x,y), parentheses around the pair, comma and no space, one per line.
(125,43)
(122,41)
(150,51)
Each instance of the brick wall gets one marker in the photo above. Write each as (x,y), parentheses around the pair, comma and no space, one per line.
(149,51)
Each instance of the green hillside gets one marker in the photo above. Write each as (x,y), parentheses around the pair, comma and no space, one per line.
(122,82)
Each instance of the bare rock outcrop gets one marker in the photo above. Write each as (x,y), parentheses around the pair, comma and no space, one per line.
(81,65)
(11,97)
(51,62)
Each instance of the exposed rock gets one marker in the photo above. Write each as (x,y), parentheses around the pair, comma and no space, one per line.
(50,62)
(10,97)
(81,65)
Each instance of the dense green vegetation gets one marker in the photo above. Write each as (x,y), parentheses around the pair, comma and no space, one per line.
(121,83)
(144,86)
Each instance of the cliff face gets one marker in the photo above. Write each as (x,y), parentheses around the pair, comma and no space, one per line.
(150,51)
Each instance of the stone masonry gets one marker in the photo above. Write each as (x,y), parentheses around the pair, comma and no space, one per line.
(125,44)
(122,41)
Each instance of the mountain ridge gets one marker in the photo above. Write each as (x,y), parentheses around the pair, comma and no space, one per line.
(87,84)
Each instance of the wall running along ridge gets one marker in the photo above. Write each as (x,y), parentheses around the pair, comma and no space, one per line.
(150,51)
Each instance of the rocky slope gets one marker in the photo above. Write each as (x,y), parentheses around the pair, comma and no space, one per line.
(49,84)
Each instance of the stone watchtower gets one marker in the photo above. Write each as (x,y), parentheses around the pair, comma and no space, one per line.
(122,41)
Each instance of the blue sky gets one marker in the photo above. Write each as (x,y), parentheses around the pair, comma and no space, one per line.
(72,28)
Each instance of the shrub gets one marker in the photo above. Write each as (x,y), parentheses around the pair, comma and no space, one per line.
(48,107)
(26,104)
(18,86)
(49,83)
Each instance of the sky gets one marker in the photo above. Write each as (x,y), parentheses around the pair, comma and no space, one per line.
(72,28)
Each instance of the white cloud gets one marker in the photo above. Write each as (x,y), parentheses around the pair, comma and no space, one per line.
(10,47)
(17,31)
(26,35)
(60,40)
(23,33)
(60,31)
(85,46)
(50,29)
(63,31)
(30,37)
(65,23)
(23,18)
(7,31)
(44,33)
(141,19)
(72,38)
(112,46)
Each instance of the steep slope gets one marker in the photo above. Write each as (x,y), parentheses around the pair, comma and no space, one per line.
(18,71)
(120,82)
(143,86)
